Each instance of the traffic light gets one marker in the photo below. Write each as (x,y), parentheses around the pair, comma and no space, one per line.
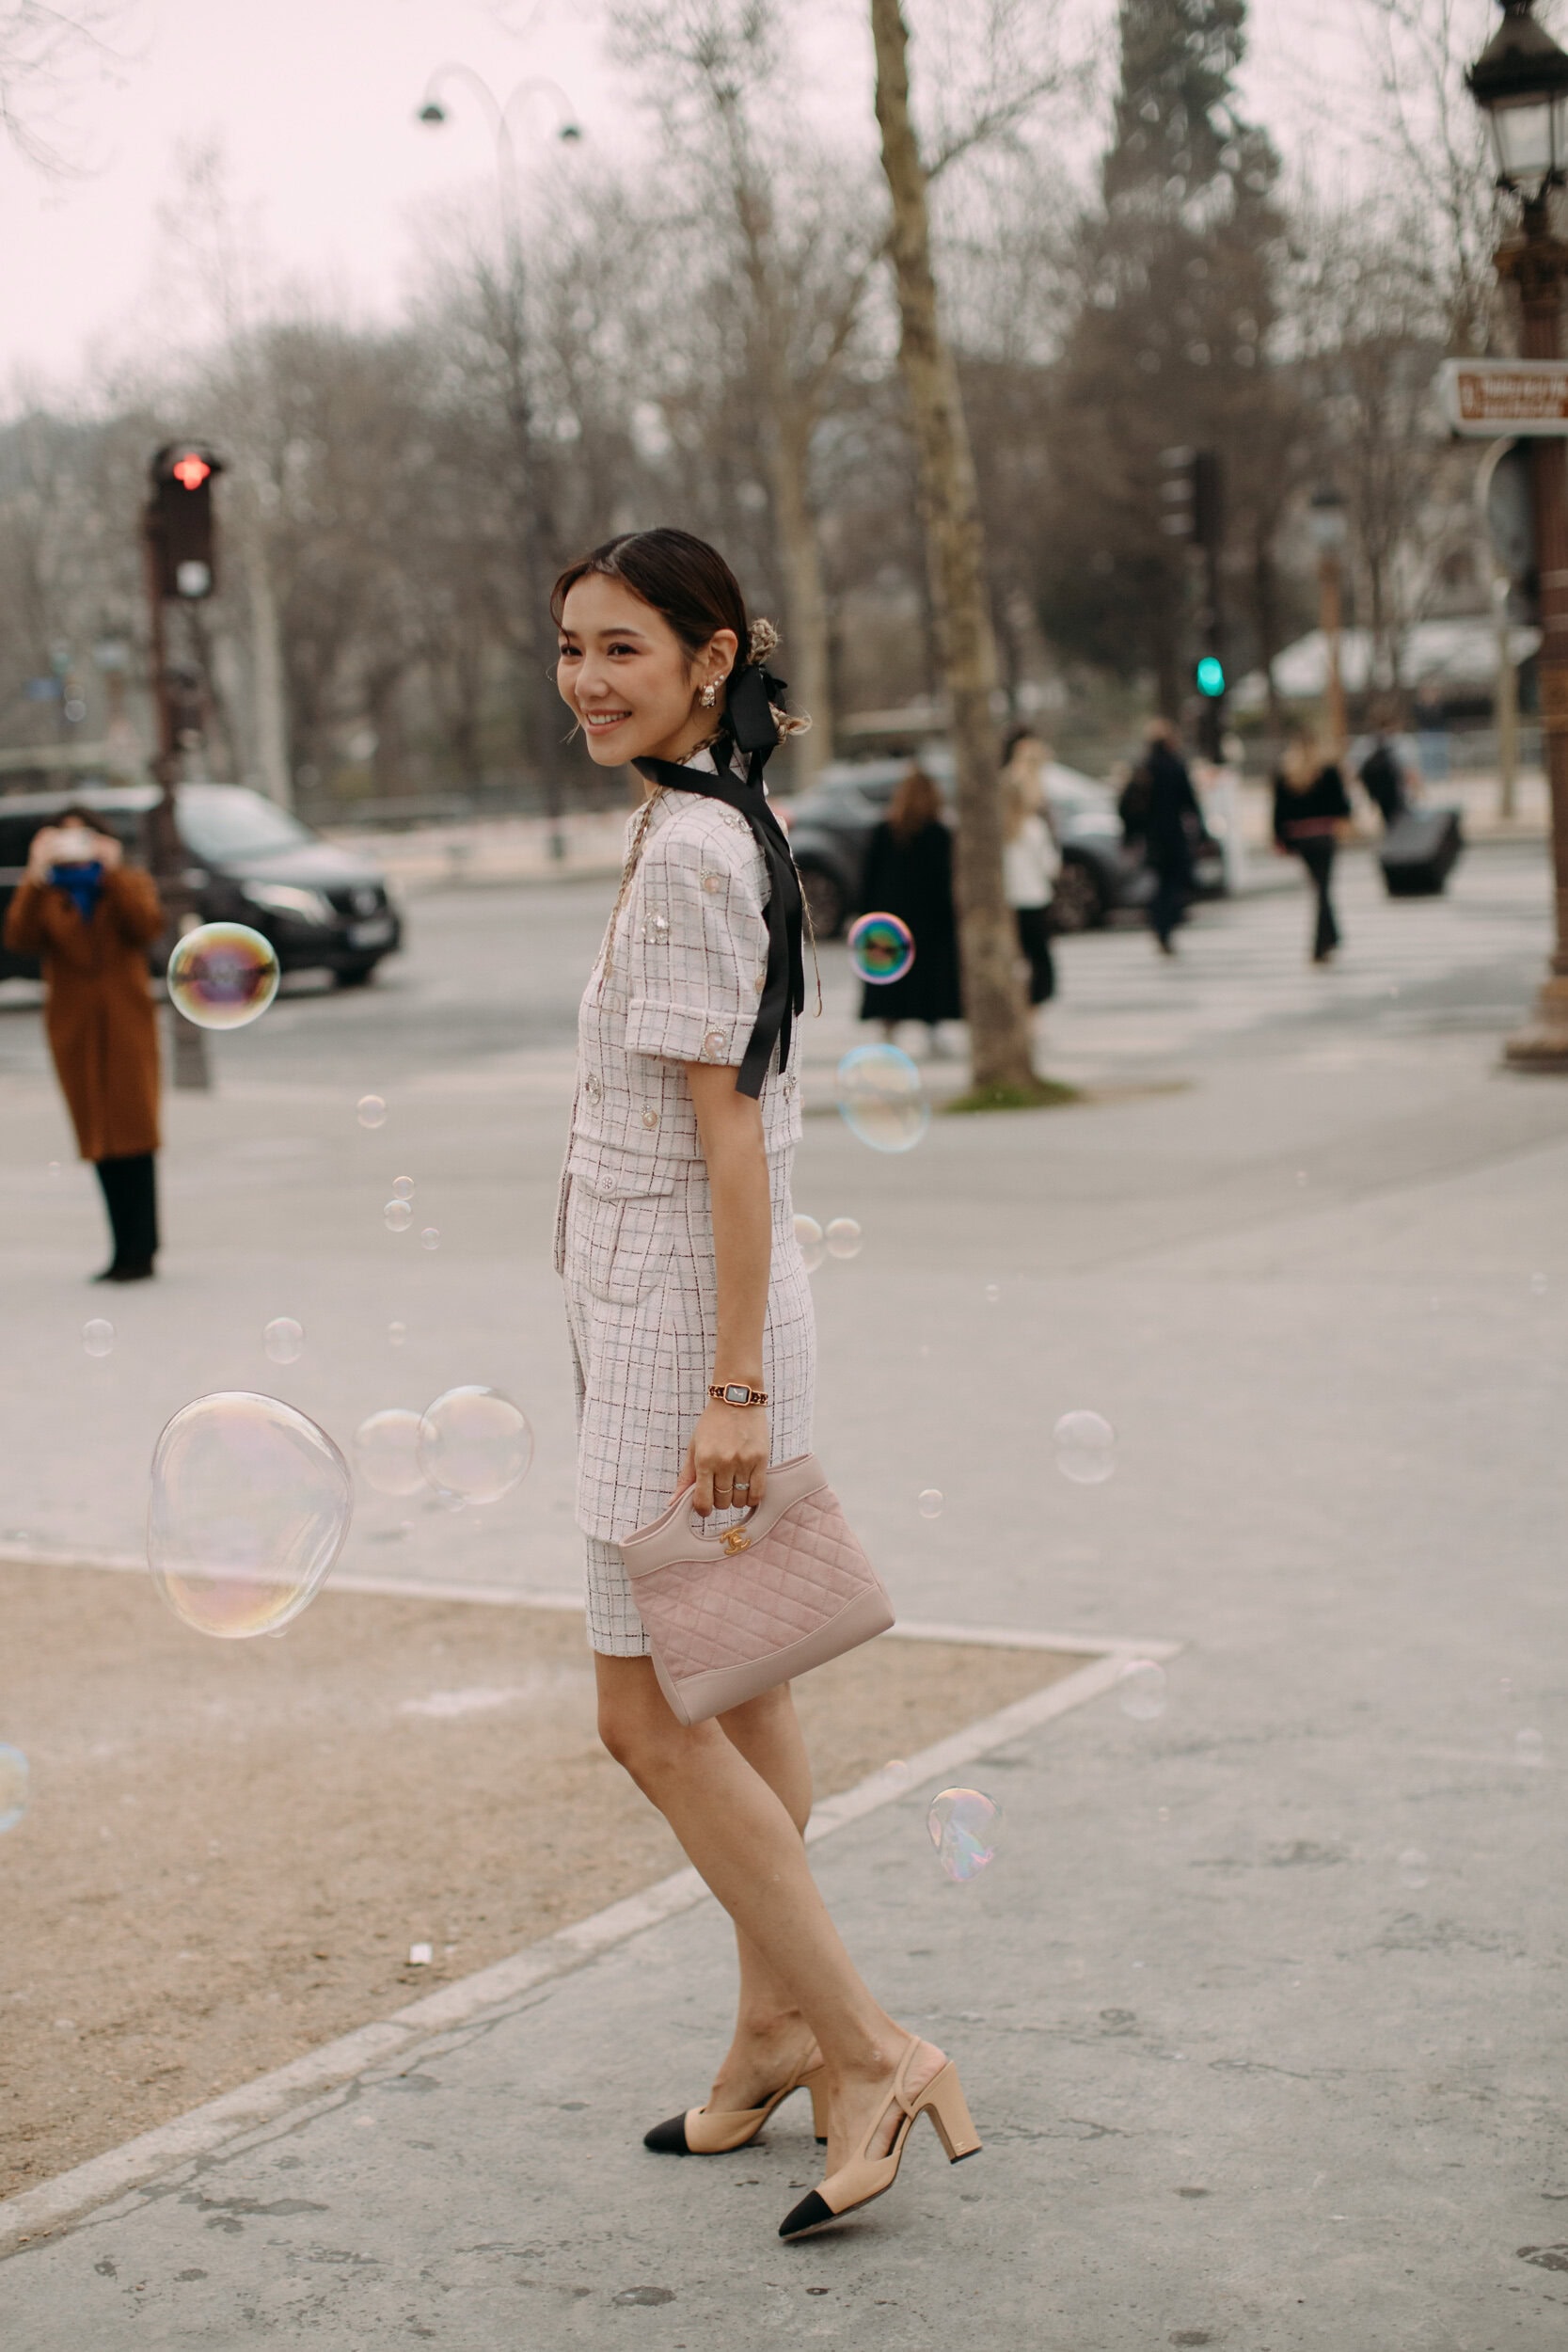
(1191,495)
(1208,677)
(180,520)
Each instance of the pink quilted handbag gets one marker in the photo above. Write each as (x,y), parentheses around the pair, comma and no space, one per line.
(729,1616)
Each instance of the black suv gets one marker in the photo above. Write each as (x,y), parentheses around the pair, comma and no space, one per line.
(324,908)
(830,826)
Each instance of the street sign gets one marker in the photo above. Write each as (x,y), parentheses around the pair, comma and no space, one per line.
(1482,398)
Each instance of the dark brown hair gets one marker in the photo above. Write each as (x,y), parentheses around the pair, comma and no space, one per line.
(684,580)
(93,820)
(915,804)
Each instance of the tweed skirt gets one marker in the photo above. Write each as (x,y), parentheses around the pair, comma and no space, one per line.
(641,1311)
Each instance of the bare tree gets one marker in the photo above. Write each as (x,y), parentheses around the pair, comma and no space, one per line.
(45,54)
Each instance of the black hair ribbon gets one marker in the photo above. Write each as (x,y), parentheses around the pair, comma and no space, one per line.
(749,727)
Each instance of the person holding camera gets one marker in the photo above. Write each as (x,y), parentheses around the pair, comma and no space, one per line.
(90,919)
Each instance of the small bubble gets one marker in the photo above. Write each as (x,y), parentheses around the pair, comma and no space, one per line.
(1142,1690)
(881,948)
(896,1771)
(1085,1447)
(1538,1284)
(961,1823)
(397,1216)
(403,1188)
(808,1236)
(397,1333)
(1411,1867)
(223,976)
(55,1167)
(97,1337)
(431,1237)
(843,1237)
(283,1339)
(1301,1177)
(930,1502)
(13,1785)
(1529,1748)
(371,1111)
(993,1292)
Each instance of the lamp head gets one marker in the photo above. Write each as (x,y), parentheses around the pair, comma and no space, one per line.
(432,111)
(1520,82)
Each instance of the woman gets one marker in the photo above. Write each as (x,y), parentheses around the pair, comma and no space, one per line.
(1031,860)
(684,1283)
(91,919)
(909,872)
(1309,808)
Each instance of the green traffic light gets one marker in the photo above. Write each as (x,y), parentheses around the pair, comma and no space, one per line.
(1211,676)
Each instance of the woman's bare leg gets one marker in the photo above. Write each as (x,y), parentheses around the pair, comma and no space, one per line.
(741,1837)
(772,2041)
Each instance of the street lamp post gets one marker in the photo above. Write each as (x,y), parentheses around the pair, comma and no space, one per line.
(533,517)
(1520,82)
(1326,521)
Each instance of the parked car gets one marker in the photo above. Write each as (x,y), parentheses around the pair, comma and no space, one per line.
(324,908)
(830,826)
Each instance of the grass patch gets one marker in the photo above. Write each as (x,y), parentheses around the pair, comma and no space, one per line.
(1040,1094)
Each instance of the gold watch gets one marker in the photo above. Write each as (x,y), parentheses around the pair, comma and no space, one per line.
(735,1393)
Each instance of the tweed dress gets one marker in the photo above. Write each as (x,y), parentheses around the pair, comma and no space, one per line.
(679,981)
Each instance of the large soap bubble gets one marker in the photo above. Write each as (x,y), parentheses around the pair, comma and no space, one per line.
(475,1443)
(962,1826)
(223,975)
(387,1448)
(13,1785)
(881,948)
(250,1506)
(881,1098)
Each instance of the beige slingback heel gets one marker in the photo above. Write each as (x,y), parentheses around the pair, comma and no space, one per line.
(865,2176)
(704,2132)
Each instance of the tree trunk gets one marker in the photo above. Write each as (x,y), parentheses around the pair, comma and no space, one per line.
(806,652)
(269,710)
(993,998)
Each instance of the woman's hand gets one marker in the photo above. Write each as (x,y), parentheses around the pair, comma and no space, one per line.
(727,1458)
(41,854)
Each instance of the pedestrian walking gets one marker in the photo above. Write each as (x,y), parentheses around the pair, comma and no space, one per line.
(1030,859)
(91,919)
(1380,776)
(690,1312)
(1159,808)
(1310,807)
(909,872)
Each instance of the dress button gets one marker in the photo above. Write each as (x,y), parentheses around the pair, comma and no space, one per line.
(789,1083)
(715,1045)
(655,924)
(650,1116)
(760,982)
(712,883)
(592,1088)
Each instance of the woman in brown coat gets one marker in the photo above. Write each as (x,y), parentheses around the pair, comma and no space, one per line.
(91,919)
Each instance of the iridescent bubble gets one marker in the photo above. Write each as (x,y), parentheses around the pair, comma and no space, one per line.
(1412,1868)
(387,1448)
(1085,1448)
(897,1772)
(808,1233)
(13,1785)
(223,975)
(283,1339)
(1142,1690)
(54,1169)
(843,1237)
(1529,1748)
(881,948)
(97,1337)
(431,1237)
(993,1292)
(371,1111)
(930,1502)
(881,1098)
(250,1506)
(398,1217)
(403,1188)
(397,1333)
(475,1444)
(962,1824)
(1537,1281)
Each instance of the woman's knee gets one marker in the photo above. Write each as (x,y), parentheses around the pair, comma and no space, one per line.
(642,1735)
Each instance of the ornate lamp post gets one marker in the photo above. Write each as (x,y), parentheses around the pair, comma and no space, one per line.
(1326,522)
(1520,82)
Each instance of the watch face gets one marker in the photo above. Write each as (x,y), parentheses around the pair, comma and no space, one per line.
(737,1395)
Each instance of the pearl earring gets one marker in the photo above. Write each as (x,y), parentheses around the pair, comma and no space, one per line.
(709,695)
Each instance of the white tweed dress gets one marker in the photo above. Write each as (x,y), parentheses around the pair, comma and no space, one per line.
(680,981)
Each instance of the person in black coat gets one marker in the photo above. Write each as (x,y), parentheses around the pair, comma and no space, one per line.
(1160,809)
(909,872)
(1309,807)
(1382,777)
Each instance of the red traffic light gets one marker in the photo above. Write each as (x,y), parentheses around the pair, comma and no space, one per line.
(190,470)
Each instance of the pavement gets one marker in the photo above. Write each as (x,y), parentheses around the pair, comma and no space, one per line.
(1258,2005)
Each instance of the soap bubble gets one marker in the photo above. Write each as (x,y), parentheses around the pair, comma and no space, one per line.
(881,948)
(371,1111)
(993,1293)
(431,1237)
(1412,1867)
(881,1098)
(97,1337)
(223,975)
(403,1188)
(397,1333)
(1537,1281)
(1085,1448)
(399,1216)
(962,1826)
(475,1444)
(1529,1748)
(283,1339)
(930,1502)
(13,1785)
(808,1233)
(387,1448)
(897,1773)
(1142,1690)
(843,1237)
(250,1506)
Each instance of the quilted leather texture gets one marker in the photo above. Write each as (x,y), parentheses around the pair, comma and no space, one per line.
(727,1611)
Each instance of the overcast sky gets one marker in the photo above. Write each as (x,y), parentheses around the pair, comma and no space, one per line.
(311,102)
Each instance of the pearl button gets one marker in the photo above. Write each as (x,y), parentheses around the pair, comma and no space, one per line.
(714,1045)
(650,1116)
(592,1088)
(712,883)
